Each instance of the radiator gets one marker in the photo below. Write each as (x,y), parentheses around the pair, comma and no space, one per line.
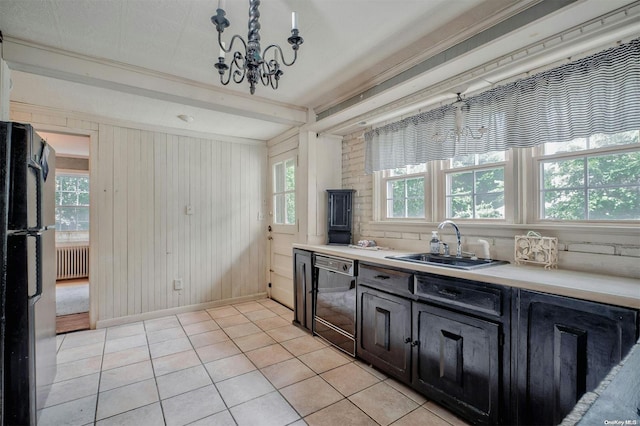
(72,262)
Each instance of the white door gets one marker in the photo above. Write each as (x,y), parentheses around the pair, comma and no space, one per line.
(283,224)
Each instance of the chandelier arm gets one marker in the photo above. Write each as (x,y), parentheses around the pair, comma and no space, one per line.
(238,63)
(277,50)
(274,82)
(233,39)
(266,74)
(271,73)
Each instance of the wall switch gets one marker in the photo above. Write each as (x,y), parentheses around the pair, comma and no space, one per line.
(188,210)
(177,284)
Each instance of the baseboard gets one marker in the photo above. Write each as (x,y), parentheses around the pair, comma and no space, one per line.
(178,310)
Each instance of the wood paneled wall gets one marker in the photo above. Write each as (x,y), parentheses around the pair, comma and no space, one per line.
(142,238)
(146,182)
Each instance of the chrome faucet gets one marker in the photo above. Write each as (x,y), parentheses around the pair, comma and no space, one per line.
(449,222)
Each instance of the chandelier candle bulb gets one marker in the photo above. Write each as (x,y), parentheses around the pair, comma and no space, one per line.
(221,4)
(222,52)
(294,21)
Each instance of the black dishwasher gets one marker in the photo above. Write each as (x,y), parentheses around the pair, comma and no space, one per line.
(335,301)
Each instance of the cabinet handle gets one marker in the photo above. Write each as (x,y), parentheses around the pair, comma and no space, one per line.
(415,343)
(450,293)
(407,340)
(382,277)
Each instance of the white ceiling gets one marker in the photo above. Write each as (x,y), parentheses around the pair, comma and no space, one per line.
(148,61)
(68,145)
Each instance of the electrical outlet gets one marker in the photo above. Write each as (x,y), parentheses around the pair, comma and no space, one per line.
(177,284)
(188,210)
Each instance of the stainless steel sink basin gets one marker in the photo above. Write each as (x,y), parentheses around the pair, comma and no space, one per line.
(448,261)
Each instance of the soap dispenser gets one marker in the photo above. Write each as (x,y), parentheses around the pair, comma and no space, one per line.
(435,243)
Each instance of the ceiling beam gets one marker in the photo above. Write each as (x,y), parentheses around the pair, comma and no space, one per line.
(41,60)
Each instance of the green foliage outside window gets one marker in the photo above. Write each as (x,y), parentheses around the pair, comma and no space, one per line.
(284,196)
(72,203)
(406,198)
(476,194)
(599,187)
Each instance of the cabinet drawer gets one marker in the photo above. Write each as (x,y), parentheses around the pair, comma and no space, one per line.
(465,294)
(391,280)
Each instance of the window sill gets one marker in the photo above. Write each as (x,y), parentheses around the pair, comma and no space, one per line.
(628,229)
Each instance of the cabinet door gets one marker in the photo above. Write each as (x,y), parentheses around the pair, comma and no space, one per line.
(565,347)
(456,361)
(340,210)
(303,286)
(384,331)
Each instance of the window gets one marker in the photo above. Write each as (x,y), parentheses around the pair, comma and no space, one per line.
(591,179)
(72,202)
(284,192)
(405,192)
(475,186)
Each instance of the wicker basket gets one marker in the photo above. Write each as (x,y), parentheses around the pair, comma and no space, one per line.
(536,249)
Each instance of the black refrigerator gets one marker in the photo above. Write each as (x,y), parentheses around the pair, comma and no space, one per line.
(28,275)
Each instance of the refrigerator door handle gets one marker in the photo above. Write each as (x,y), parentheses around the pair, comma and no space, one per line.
(39,178)
(36,296)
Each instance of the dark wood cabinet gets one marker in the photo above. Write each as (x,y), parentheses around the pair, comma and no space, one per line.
(490,353)
(565,347)
(303,288)
(461,353)
(339,216)
(456,361)
(384,331)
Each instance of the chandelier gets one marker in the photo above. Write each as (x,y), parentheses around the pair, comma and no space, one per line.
(252,63)
(461,130)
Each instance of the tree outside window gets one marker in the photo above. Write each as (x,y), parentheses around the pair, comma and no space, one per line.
(601,181)
(405,192)
(284,192)
(476,191)
(72,202)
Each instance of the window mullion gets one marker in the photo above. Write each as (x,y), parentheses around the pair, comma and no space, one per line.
(585,178)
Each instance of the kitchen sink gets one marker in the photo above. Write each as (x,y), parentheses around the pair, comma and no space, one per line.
(467,263)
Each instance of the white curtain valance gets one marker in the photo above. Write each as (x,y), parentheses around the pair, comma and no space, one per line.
(597,94)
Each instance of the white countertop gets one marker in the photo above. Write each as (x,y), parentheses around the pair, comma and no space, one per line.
(613,290)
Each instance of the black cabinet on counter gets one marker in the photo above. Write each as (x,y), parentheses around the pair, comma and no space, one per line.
(303,288)
(339,216)
(565,347)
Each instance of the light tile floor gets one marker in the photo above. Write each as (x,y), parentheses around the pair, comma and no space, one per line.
(243,364)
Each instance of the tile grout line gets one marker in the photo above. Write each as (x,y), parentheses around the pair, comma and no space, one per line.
(104,347)
(213,383)
(202,364)
(256,368)
(153,370)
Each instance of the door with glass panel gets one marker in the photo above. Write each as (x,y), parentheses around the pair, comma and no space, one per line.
(283,228)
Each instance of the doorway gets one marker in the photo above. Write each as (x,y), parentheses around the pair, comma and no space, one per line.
(72,230)
(283,229)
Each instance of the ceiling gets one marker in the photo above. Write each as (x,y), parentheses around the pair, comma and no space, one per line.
(76,146)
(362,61)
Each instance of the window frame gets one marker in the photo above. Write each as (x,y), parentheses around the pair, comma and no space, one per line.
(284,159)
(509,165)
(382,179)
(538,158)
(436,190)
